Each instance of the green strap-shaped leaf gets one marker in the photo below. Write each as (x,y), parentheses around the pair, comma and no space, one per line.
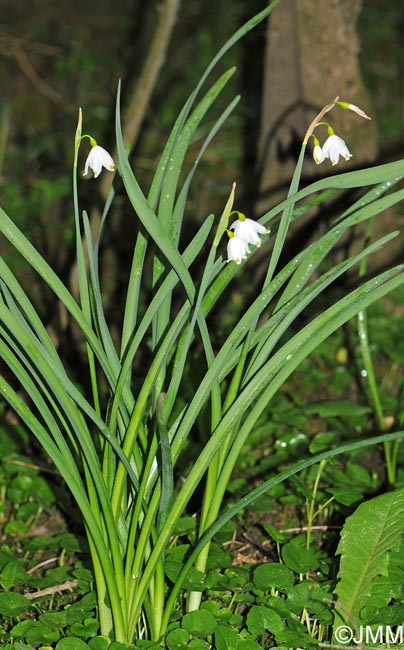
(147,215)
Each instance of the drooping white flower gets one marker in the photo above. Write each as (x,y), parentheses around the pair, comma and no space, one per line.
(97,159)
(318,154)
(248,229)
(237,248)
(333,148)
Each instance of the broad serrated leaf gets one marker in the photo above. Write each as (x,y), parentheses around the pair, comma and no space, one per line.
(369,536)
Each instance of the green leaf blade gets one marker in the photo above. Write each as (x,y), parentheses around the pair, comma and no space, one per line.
(369,536)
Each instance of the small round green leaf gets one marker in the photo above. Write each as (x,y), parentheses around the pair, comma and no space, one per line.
(226,638)
(200,623)
(247,644)
(40,633)
(260,619)
(198,644)
(20,629)
(12,604)
(298,558)
(273,575)
(99,643)
(54,620)
(347,496)
(176,639)
(71,643)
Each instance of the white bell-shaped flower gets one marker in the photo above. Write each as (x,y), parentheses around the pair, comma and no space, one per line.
(333,148)
(318,154)
(248,229)
(237,248)
(97,159)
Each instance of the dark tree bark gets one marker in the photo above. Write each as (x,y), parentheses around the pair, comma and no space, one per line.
(311,56)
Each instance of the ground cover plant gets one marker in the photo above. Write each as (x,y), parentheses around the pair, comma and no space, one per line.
(149,571)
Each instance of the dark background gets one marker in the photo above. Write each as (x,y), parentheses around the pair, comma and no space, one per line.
(58,56)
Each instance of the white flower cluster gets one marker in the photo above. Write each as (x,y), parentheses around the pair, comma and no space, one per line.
(333,148)
(243,232)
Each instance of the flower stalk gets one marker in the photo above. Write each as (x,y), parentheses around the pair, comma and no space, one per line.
(334,146)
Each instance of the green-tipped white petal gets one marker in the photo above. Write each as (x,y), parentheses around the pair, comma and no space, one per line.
(237,249)
(333,148)
(97,159)
(318,154)
(248,230)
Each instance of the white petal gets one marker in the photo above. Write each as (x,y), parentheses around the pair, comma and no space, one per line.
(237,250)
(248,229)
(97,159)
(318,154)
(334,147)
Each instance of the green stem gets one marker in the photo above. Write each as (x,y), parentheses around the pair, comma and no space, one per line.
(368,373)
(81,271)
(312,502)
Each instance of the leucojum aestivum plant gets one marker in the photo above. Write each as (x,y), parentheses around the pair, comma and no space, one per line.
(119,453)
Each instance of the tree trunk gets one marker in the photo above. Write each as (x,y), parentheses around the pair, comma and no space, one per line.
(311,56)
